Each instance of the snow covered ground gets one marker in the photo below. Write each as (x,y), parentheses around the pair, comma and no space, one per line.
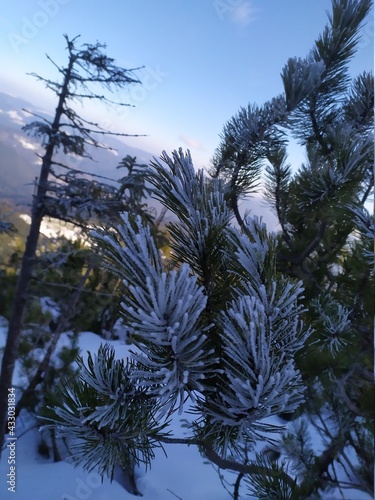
(52,228)
(180,474)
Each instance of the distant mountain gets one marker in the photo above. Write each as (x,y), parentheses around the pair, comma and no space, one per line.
(19,165)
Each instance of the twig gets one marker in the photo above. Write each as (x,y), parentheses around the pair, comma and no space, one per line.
(174,494)
(236,491)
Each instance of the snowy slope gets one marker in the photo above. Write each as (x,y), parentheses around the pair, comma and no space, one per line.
(180,474)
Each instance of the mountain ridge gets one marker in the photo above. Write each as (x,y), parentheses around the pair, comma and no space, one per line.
(20,165)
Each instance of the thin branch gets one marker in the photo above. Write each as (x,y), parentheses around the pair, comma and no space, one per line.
(251,468)
(236,491)
(75,170)
(88,131)
(73,95)
(312,245)
(349,462)
(71,287)
(234,196)
(226,464)
(60,70)
(36,115)
(174,494)
(49,83)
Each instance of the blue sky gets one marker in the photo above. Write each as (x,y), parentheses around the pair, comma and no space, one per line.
(203,58)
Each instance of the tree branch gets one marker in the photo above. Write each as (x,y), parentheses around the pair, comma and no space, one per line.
(312,245)
(223,463)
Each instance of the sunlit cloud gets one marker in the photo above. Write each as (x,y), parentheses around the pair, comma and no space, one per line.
(26,144)
(190,142)
(16,117)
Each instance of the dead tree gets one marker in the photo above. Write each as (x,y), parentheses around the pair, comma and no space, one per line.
(88,66)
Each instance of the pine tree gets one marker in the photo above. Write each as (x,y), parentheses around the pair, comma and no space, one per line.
(326,234)
(243,324)
(68,132)
(231,361)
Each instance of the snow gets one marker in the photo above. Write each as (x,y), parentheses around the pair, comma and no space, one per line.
(50,306)
(53,229)
(183,473)
(180,472)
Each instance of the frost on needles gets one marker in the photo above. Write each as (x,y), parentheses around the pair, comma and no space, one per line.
(215,329)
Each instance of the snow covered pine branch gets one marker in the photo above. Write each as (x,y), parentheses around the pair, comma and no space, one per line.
(214,331)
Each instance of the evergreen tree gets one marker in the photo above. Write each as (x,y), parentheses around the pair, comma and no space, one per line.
(231,361)
(243,324)
(326,236)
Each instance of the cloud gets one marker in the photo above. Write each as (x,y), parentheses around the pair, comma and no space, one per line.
(242,14)
(26,144)
(16,117)
(190,142)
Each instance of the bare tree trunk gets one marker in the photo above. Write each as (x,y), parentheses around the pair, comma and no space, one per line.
(15,323)
(27,265)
